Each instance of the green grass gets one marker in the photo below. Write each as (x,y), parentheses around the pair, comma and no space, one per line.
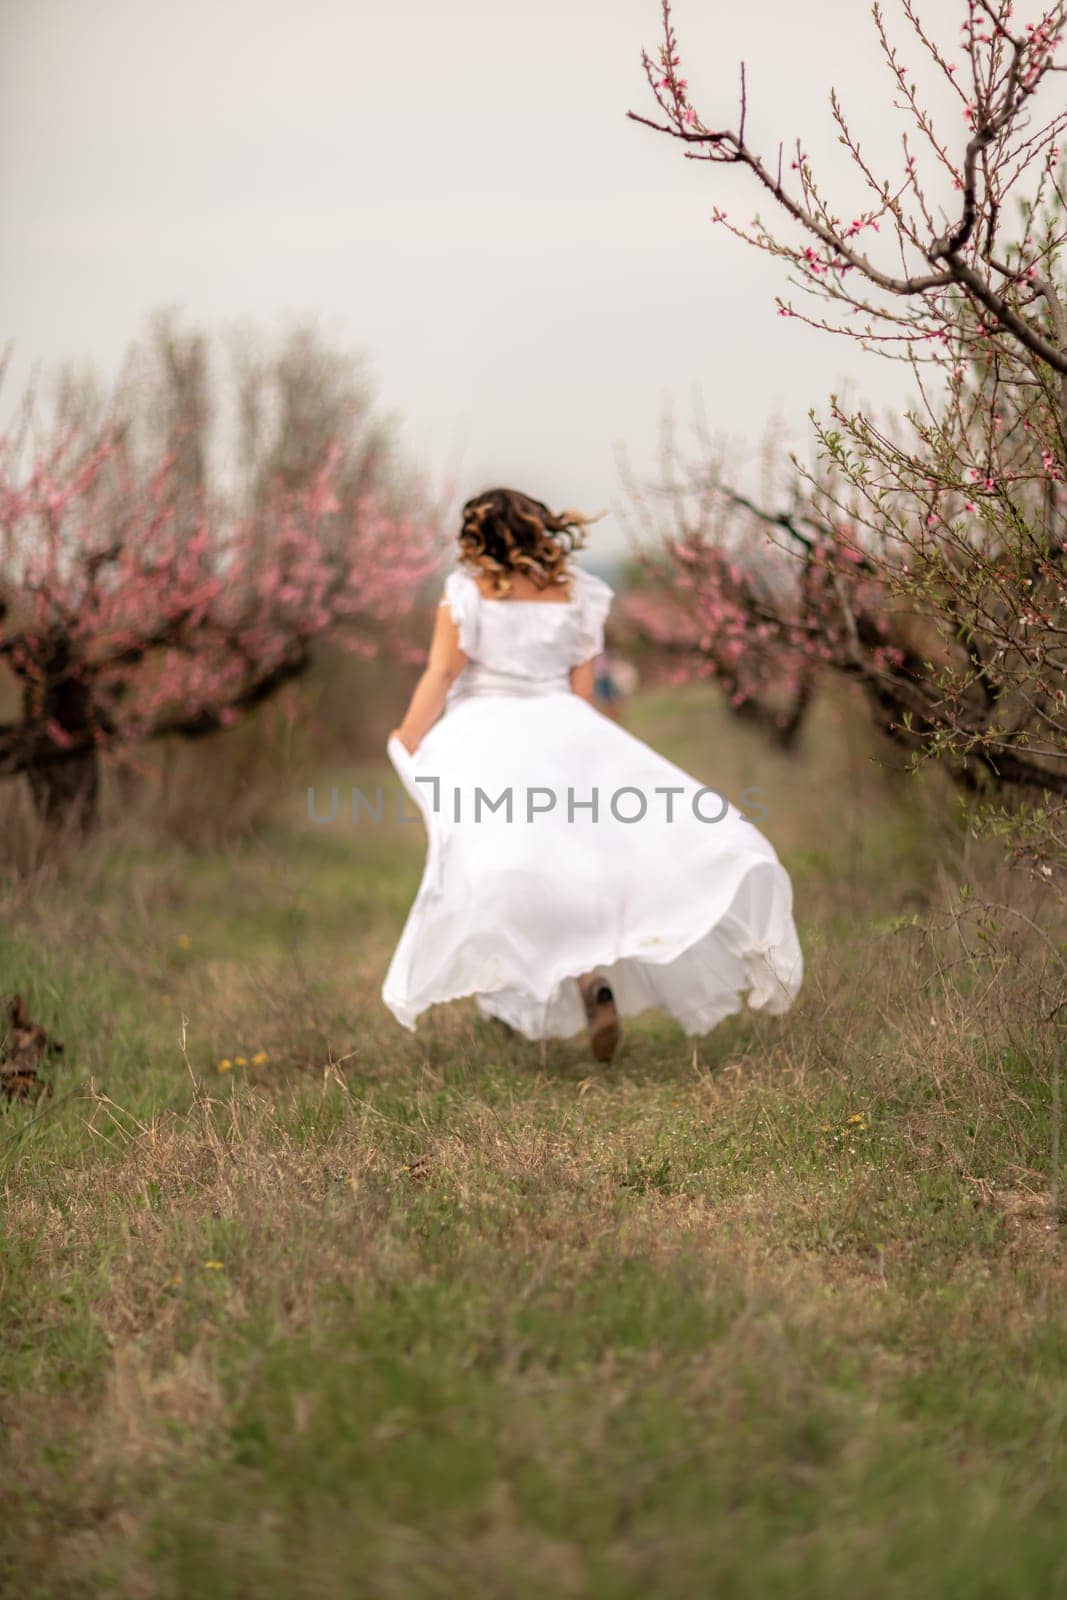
(778,1312)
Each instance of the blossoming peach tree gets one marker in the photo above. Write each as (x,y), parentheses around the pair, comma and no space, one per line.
(924,556)
(714,596)
(124,618)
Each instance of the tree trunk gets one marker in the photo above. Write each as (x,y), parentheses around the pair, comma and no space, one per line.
(65,793)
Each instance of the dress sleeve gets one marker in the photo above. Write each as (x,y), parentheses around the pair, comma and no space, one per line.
(461,598)
(594,603)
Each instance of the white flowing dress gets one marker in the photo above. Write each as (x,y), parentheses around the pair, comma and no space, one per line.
(559,843)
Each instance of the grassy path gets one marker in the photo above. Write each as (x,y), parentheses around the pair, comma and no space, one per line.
(773,1313)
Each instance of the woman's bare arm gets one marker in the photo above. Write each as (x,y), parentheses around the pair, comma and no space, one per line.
(446,662)
(583,680)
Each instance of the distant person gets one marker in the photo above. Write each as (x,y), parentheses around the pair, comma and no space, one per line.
(614,681)
(573,875)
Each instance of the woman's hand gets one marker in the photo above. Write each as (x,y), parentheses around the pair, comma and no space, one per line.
(410,744)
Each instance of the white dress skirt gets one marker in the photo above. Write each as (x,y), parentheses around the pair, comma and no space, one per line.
(558,843)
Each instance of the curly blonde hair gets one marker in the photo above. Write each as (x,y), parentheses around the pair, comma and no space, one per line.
(504,532)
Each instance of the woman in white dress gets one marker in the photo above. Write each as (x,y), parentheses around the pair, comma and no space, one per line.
(573,876)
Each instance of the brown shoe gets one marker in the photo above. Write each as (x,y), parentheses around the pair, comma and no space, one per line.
(601,1014)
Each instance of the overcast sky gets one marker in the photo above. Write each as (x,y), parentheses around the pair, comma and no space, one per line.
(452,187)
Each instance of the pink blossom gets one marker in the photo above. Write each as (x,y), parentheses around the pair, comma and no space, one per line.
(166,625)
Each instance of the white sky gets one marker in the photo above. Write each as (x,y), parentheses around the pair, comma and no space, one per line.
(452,187)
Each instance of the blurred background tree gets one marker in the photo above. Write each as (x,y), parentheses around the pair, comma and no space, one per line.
(178,549)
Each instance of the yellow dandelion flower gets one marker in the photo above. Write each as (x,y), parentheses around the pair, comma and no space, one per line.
(240,1061)
(184,941)
(259,1059)
(225,1065)
(213,1266)
(860,1116)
